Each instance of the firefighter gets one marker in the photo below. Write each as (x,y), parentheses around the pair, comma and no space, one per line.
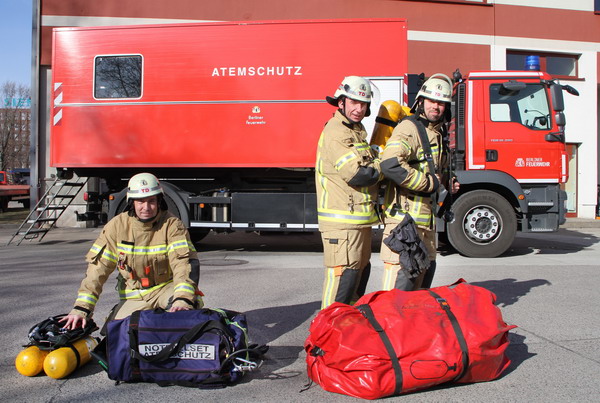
(347,172)
(152,251)
(411,183)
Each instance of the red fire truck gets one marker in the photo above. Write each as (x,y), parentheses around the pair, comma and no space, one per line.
(508,147)
(228,115)
(12,190)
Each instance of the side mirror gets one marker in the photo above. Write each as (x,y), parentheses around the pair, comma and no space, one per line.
(560,119)
(570,90)
(558,102)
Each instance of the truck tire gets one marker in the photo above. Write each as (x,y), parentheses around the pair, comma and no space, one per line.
(484,224)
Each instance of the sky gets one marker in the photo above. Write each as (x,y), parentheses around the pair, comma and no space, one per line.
(15,41)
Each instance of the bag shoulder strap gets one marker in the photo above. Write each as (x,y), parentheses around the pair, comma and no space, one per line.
(462,342)
(367,312)
(428,156)
(424,141)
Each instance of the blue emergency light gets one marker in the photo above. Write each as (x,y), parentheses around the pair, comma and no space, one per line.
(532,63)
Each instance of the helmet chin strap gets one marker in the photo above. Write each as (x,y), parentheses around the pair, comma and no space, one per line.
(420,111)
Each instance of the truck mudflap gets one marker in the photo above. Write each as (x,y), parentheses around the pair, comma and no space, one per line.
(562,205)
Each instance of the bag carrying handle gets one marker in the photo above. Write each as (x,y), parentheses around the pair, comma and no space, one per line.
(176,346)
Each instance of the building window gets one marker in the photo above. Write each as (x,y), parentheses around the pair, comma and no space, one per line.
(118,76)
(558,65)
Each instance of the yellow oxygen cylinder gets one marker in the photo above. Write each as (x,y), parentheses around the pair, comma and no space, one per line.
(390,113)
(63,361)
(30,361)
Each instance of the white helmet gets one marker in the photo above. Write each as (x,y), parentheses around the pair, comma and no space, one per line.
(143,185)
(436,89)
(353,87)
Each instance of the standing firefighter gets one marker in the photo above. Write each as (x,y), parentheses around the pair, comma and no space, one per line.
(416,173)
(153,253)
(347,173)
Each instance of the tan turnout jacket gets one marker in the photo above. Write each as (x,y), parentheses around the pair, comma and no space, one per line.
(410,186)
(147,256)
(342,150)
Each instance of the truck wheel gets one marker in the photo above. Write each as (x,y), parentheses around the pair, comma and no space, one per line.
(484,224)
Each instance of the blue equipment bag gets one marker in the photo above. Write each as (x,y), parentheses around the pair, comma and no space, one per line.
(201,348)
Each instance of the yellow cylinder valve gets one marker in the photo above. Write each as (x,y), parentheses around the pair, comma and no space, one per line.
(63,361)
(30,361)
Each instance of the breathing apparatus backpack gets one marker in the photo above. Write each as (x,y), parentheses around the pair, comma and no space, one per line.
(50,334)
(56,350)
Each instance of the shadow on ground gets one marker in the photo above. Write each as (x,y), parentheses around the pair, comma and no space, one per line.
(572,241)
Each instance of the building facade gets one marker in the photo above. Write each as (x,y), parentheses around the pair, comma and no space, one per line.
(443,36)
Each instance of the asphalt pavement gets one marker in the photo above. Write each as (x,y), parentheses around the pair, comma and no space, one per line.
(546,284)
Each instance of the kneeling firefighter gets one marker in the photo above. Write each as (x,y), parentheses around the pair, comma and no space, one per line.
(415,161)
(152,250)
(347,172)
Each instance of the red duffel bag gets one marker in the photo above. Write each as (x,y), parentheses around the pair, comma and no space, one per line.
(393,342)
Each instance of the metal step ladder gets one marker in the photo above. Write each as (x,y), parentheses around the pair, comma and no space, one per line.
(48,210)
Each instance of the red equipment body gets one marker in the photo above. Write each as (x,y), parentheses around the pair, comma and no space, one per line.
(214,95)
(14,190)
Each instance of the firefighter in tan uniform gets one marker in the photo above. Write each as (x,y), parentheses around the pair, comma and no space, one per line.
(347,173)
(411,182)
(153,253)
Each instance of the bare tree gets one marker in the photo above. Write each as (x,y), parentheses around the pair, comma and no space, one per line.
(15,119)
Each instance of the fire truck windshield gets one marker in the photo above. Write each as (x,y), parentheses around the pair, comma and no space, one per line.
(528,107)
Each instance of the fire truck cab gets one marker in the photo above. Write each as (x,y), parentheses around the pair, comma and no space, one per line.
(508,153)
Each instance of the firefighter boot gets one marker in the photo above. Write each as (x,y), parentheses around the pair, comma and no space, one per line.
(347,285)
(362,284)
(339,285)
(394,277)
(428,279)
(403,283)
